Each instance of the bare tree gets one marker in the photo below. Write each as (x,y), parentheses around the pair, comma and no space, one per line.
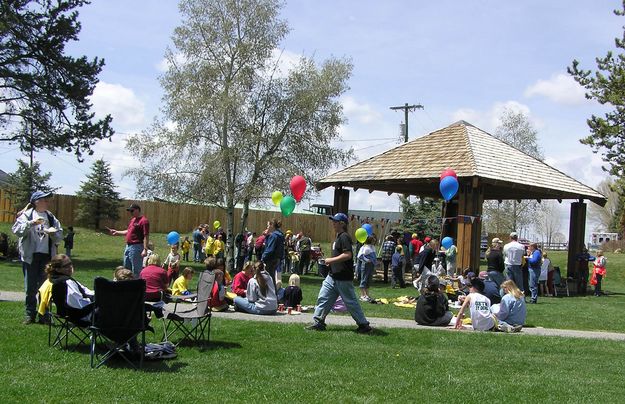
(548,221)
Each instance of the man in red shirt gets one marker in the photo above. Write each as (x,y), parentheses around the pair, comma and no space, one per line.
(137,238)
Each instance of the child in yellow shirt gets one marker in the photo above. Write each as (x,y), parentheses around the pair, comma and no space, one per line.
(181,285)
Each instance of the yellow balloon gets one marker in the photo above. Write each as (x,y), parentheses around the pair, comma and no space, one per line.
(216,224)
(361,235)
(276,197)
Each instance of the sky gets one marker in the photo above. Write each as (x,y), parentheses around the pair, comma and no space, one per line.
(459,59)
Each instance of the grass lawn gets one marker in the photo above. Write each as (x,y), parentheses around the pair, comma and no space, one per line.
(262,362)
(98,254)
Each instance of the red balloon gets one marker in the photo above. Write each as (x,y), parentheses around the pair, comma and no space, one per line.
(298,187)
(447,172)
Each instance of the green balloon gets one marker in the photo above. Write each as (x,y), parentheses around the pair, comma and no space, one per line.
(287,205)
(361,235)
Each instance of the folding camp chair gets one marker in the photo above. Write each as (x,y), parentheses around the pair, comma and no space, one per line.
(67,320)
(119,317)
(192,320)
(559,282)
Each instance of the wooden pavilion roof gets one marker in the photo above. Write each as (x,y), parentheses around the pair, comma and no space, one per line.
(505,172)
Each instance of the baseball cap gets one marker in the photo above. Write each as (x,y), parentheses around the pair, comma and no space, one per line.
(339,217)
(496,240)
(513,234)
(133,207)
(39,195)
(483,275)
(427,239)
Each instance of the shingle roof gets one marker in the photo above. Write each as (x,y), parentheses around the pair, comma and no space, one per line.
(505,172)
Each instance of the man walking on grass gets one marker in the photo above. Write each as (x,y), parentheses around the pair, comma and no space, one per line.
(137,239)
(513,253)
(339,280)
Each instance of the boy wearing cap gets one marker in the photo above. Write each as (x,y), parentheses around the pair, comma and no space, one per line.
(137,239)
(39,232)
(339,280)
(479,307)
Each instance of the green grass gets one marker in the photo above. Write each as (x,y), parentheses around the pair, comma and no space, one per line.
(263,362)
(98,254)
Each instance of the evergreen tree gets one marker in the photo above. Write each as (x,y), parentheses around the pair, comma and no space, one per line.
(26,180)
(97,197)
(422,216)
(44,93)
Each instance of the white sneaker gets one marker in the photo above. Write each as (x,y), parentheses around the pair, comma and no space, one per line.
(505,327)
(517,328)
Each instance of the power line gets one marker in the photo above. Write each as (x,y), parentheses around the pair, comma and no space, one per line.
(406,108)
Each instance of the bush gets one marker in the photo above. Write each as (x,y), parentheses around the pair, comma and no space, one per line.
(613,246)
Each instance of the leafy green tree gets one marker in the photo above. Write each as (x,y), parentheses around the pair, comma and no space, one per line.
(97,197)
(44,93)
(241,128)
(26,180)
(510,215)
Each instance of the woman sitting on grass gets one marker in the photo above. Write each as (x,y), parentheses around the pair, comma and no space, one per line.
(432,308)
(79,298)
(155,277)
(261,295)
(511,312)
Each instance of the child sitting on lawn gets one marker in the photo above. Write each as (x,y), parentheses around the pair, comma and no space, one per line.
(261,295)
(122,274)
(181,285)
(293,293)
(479,307)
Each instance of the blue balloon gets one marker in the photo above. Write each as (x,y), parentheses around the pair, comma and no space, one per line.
(448,187)
(447,242)
(368,227)
(173,237)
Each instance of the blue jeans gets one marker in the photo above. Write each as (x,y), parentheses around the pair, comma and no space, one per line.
(34,275)
(197,248)
(68,252)
(330,290)
(365,274)
(514,273)
(133,259)
(534,274)
(242,304)
(497,277)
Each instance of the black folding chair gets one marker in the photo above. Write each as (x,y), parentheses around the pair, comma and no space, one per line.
(119,317)
(192,320)
(68,321)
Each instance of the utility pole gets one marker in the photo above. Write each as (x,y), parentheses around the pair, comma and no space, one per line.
(407,108)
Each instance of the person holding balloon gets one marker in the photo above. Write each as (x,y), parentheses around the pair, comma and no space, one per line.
(137,239)
(366,267)
(274,248)
(338,282)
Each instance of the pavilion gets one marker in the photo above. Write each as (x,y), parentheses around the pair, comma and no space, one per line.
(487,169)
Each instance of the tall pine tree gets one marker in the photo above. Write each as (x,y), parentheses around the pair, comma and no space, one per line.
(97,197)
(26,180)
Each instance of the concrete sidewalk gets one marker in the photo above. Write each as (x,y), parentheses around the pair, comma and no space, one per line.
(346,320)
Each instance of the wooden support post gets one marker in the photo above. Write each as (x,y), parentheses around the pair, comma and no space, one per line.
(341,200)
(577,230)
(470,201)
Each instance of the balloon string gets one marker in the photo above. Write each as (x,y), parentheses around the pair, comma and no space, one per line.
(440,239)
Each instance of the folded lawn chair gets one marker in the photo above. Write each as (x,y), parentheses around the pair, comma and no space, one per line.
(118,319)
(192,320)
(67,320)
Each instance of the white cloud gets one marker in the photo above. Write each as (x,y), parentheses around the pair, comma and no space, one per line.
(127,110)
(360,112)
(490,119)
(585,167)
(560,88)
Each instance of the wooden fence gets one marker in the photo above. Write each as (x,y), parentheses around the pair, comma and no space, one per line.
(183,218)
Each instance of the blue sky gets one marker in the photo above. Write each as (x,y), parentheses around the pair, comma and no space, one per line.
(460,59)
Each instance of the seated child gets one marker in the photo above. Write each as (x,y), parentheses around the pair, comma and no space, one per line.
(122,274)
(181,285)
(432,307)
(293,293)
(239,284)
(512,312)
(218,294)
(479,306)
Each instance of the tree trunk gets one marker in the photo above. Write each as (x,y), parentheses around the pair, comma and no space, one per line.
(244,214)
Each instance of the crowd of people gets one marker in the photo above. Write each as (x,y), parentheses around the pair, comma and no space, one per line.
(494,299)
